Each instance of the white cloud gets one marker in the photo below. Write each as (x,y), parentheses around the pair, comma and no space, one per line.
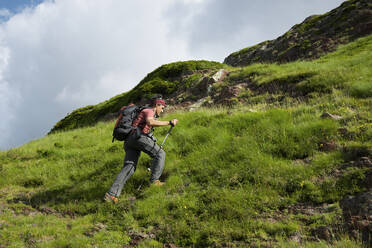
(213,29)
(8,98)
(4,13)
(67,54)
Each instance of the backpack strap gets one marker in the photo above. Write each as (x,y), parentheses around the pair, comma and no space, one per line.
(121,113)
(141,108)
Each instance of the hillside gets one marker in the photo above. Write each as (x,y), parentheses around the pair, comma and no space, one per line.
(314,37)
(287,164)
(191,84)
(167,80)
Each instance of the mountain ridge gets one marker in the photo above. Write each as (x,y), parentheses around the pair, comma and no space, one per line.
(314,37)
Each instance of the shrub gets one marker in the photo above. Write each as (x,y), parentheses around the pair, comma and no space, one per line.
(361,89)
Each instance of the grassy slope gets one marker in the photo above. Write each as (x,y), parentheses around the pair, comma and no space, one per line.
(347,69)
(164,80)
(232,174)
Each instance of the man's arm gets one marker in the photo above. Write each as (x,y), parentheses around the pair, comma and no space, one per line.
(155,123)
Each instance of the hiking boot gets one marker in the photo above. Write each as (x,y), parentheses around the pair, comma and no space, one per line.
(158,183)
(110,198)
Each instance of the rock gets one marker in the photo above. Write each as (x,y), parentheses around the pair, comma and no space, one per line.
(327,146)
(361,162)
(250,111)
(356,212)
(228,92)
(323,232)
(203,87)
(358,205)
(186,104)
(296,237)
(47,210)
(137,237)
(96,228)
(168,245)
(198,104)
(337,173)
(220,75)
(100,226)
(209,90)
(364,162)
(306,209)
(28,211)
(368,181)
(308,160)
(69,213)
(331,116)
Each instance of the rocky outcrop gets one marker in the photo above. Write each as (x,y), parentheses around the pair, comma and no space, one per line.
(220,75)
(200,94)
(357,212)
(357,209)
(229,94)
(317,35)
(326,115)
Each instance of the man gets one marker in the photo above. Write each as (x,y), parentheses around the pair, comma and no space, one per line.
(141,139)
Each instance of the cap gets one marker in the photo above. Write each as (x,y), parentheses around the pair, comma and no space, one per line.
(160,101)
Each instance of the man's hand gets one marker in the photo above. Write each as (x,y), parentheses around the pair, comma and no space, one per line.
(174,122)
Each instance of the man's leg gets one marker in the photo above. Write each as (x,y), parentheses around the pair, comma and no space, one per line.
(129,167)
(157,165)
(148,145)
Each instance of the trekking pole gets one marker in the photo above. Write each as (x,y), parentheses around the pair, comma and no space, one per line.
(166,136)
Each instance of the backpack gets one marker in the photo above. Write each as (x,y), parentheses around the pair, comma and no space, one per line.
(123,126)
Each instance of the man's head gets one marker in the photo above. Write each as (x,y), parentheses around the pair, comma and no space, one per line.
(159,105)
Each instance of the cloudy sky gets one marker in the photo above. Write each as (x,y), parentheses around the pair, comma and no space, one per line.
(56,56)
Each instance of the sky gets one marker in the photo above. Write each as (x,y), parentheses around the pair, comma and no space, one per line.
(59,55)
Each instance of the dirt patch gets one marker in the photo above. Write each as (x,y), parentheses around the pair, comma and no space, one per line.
(95,229)
(138,237)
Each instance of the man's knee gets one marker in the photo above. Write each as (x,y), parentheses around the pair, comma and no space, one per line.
(161,154)
(130,164)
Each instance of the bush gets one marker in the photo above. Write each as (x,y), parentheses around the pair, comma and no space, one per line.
(361,89)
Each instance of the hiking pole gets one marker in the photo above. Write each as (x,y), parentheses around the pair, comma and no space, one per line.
(166,136)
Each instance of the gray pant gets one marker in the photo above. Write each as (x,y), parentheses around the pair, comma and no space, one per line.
(133,147)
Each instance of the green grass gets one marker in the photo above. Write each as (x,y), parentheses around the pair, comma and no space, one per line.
(227,171)
(347,69)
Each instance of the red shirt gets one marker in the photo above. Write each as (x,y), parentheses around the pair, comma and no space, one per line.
(141,120)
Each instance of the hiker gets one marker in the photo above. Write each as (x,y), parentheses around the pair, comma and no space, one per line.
(142,139)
